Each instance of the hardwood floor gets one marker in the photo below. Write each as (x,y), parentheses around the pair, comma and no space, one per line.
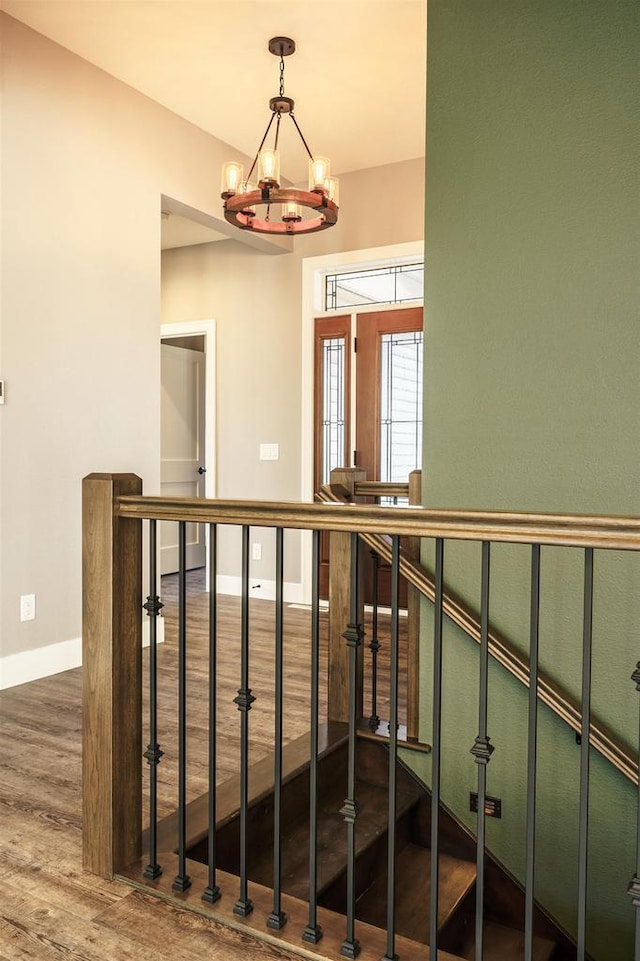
(49,908)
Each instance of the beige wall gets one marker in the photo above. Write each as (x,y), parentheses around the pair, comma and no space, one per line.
(85,160)
(256,301)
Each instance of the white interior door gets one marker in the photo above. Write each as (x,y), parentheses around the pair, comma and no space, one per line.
(182,447)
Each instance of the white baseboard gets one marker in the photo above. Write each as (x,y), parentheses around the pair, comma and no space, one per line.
(28,666)
(32,665)
(261,587)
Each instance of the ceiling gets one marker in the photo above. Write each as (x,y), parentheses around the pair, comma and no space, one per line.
(358,74)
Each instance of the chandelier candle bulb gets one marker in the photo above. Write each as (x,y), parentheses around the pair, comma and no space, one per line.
(291,213)
(269,167)
(232,177)
(319,170)
(332,189)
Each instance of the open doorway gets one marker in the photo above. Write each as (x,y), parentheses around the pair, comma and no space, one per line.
(188,421)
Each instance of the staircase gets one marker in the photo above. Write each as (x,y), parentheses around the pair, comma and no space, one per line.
(503,937)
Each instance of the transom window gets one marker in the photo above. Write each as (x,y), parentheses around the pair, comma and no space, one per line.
(393,284)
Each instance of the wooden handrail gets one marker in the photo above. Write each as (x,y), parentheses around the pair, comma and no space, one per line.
(562,530)
(549,692)
(381,489)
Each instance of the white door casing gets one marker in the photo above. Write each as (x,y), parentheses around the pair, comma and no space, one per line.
(182,448)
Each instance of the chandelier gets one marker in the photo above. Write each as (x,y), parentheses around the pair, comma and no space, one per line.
(288,209)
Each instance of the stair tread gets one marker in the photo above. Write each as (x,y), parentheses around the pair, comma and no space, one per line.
(371,824)
(413,891)
(506,944)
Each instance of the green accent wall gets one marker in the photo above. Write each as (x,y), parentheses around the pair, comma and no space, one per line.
(532,399)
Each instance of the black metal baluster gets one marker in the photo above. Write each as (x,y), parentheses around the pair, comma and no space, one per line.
(584,754)
(212,892)
(277,919)
(313,932)
(436,751)
(244,700)
(353,635)
(153,753)
(374,646)
(390,954)
(182,880)
(482,748)
(634,887)
(533,748)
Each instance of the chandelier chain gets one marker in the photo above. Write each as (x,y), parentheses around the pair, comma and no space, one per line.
(281,75)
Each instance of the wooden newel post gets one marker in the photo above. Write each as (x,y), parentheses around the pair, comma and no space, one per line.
(112,676)
(340,609)
(413,620)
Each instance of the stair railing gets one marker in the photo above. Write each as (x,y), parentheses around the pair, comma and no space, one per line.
(549,691)
(350,485)
(113,511)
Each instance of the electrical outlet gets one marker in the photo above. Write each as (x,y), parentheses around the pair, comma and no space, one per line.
(492,805)
(28,607)
(256,552)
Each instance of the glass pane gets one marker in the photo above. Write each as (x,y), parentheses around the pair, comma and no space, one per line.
(379,285)
(333,405)
(401,405)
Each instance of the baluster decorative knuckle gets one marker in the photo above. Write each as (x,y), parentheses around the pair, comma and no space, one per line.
(482,750)
(153,754)
(153,605)
(349,810)
(635,677)
(353,635)
(244,700)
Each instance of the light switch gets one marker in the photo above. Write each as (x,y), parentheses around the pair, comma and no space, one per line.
(269,451)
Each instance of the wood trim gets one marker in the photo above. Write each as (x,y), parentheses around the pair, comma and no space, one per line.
(326,328)
(111,676)
(339,613)
(380,489)
(288,939)
(369,327)
(562,530)
(412,549)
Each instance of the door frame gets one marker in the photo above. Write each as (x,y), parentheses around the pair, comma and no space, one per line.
(206,329)
(313,271)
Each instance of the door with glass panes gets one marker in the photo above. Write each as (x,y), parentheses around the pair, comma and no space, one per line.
(368,401)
